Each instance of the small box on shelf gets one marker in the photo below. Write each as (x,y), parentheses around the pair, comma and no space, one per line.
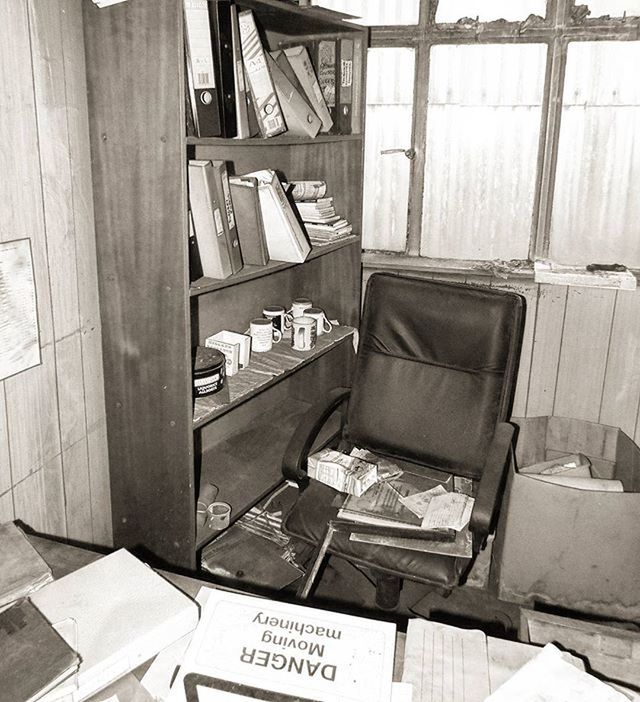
(236,348)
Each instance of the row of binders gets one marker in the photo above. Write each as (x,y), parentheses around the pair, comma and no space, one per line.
(249,220)
(240,89)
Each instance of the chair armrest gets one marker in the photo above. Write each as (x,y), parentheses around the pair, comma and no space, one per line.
(491,482)
(294,463)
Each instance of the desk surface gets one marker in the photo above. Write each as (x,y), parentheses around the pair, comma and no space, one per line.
(505,657)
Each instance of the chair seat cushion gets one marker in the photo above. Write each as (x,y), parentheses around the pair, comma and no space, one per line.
(319,503)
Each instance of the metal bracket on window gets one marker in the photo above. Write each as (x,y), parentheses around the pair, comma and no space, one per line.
(409,153)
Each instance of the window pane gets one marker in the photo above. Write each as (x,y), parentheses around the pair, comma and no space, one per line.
(596,209)
(488,10)
(614,8)
(376,12)
(483,125)
(390,75)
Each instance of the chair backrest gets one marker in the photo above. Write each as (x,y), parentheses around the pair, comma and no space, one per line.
(436,370)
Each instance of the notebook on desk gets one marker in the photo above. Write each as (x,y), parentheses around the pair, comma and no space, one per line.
(122,614)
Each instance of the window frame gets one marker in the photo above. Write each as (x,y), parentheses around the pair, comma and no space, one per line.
(564,23)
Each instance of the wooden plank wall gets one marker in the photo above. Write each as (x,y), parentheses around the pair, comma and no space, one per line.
(581,351)
(53,451)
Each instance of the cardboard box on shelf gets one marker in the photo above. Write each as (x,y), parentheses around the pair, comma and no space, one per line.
(563,546)
(235,347)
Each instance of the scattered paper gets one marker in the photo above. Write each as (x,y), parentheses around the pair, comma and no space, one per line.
(445,664)
(157,679)
(449,511)
(550,678)
(401,692)
(419,503)
(19,337)
(463,485)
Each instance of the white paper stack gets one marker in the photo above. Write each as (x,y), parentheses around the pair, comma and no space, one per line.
(117,613)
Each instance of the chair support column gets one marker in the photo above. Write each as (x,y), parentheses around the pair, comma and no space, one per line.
(387,591)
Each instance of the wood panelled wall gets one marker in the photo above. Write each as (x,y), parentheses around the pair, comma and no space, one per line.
(581,351)
(53,451)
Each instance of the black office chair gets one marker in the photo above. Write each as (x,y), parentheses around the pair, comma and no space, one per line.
(433,386)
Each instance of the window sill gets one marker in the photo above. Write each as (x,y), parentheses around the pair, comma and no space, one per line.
(518,271)
(549,272)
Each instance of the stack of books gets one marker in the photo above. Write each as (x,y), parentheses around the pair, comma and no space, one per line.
(317,211)
(238,88)
(22,569)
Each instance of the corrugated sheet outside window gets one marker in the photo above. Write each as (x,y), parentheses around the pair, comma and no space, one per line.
(613,8)
(377,12)
(596,208)
(483,124)
(390,78)
(488,10)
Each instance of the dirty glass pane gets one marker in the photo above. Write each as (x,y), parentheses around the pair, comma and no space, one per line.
(376,12)
(596,207)
(488,10)
(613,8)
(483,127)
(390,76)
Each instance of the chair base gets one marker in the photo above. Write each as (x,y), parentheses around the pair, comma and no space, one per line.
(388,591)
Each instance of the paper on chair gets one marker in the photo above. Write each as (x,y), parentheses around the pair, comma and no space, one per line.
(444,663)
(550,678)
(419,503)
(449,511)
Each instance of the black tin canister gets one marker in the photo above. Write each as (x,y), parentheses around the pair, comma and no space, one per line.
(209,372)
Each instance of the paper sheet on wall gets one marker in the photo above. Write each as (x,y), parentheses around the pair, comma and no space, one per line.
(19,338)
(444,663)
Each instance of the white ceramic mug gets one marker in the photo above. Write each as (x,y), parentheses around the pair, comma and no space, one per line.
(278,315)
(263,334)
(303,333)
(323,325)
(299,305)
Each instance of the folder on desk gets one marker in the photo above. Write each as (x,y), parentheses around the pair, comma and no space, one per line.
(203,89)
(123,614)
(34,658)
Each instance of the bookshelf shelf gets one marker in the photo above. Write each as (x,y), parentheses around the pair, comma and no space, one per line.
(276,140)
(263,371)
(161,447)
(223,462)
(207,285)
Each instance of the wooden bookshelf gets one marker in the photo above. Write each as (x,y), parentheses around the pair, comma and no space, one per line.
(151,317)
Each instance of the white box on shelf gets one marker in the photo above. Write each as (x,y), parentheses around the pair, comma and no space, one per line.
(235,346)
